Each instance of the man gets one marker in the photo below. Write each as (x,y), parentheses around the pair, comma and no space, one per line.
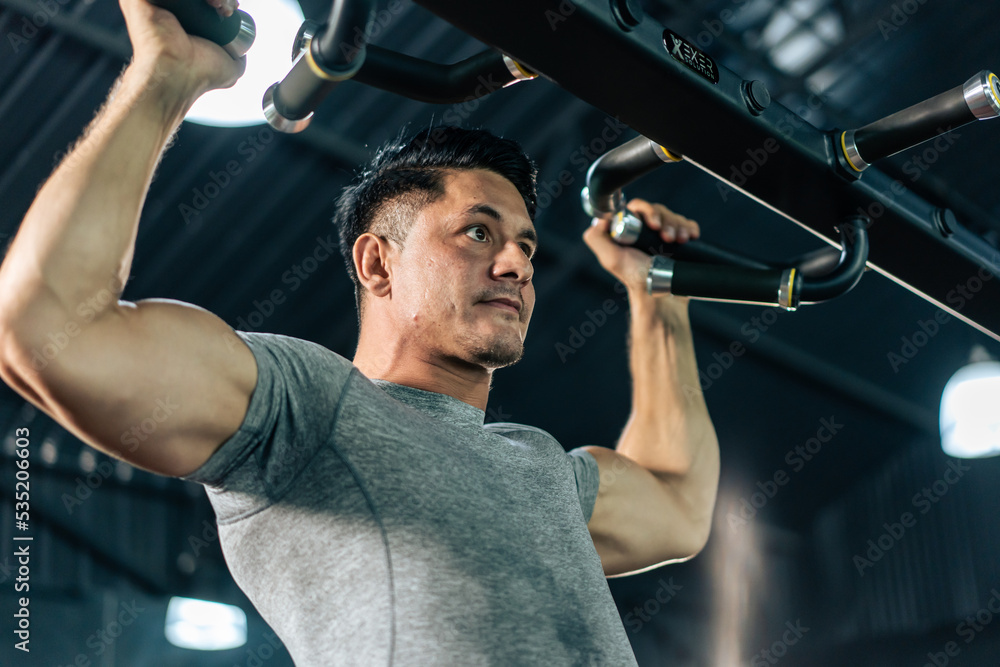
(364,507)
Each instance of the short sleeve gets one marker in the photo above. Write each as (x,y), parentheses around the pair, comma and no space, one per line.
(290,415)
(588,479)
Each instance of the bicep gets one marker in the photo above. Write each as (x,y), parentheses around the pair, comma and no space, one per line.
(158,383)
(638,521)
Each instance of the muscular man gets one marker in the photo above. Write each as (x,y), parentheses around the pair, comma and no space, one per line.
(364,507)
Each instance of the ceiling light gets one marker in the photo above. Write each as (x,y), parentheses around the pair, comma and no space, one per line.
(970,421)
(268,61)
(205,626)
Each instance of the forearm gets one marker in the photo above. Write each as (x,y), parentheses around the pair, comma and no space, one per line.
(669,431)
(78,236)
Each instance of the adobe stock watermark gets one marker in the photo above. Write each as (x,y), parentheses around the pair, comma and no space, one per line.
(898,16)
(197,542)
(914,168)
(382,19)
(103,638)
(926,330)
(201,196)
(611,473)
(967,630)
(96,130)
(293,277)
(796,458)
(30,26)
(779,648)
(87,311)
(752,329)
(740,174)
(924,500)
(85,486)
(560,14)
(579,334)
(162,411)
(716,26)
(497,415)
(263,652)
(581,159)
(636,619)
(131,439)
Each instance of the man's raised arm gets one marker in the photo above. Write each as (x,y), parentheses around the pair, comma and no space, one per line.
(99,366)
(658,487)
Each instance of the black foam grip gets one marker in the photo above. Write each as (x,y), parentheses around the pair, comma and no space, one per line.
(200,19)
(732,283)
(651,243)
(913,125)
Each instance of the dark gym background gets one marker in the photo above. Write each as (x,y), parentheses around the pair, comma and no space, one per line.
(782,577)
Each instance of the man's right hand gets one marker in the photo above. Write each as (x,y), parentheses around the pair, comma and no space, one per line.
(185,66)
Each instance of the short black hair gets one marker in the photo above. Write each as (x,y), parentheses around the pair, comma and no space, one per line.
(407,175)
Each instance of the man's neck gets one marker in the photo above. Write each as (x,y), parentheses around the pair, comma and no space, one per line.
(398,363)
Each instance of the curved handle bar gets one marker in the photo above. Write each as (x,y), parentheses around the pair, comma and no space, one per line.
(326,55)
(976,99)
(424,81)
(329,54)
(233,33)
(700,270)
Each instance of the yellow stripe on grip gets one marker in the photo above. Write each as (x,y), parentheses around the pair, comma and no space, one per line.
(671,155)
(791,288)
(843,146)
(322,73)
(528,74)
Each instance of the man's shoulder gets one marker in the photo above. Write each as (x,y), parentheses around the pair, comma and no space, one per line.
(283,344)
(517,431)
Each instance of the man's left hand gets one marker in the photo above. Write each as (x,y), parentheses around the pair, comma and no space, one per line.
(628,265)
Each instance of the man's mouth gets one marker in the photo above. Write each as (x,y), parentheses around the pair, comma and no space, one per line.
(506,304)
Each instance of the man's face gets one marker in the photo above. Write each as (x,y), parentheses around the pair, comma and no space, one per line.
(465,255)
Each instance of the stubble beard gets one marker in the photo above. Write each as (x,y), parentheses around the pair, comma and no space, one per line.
(495,351)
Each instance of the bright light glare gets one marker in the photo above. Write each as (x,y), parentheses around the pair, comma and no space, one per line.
(268,61)
(970,420)
(205,626)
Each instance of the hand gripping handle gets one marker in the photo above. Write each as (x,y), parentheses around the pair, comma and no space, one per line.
(233,33)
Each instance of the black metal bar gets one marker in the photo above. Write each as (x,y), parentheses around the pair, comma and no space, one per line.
(617,168)
(847,273)
(425,81)
(683,100)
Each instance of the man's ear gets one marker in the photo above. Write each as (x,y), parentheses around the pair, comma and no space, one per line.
(371,261)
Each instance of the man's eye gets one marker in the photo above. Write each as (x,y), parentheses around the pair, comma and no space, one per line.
(527,249)
(478,232)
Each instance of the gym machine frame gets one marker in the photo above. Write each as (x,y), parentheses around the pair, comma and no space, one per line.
(687,107)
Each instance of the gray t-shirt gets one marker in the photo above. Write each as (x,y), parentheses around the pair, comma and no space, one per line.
(376,524)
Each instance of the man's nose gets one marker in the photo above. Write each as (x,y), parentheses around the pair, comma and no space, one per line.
(512,262)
